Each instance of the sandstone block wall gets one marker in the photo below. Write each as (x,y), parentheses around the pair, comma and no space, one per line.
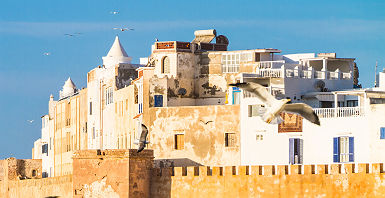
(112,173)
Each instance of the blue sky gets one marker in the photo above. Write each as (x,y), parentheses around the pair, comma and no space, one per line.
(28,29)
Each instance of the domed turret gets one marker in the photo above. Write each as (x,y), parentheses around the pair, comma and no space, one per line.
(69,89)
(116,55)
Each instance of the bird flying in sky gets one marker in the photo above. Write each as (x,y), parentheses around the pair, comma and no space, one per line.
(143,137)
(114,12)
(73,34)
(123,29)
(275,107)
(47,53)
(30,121)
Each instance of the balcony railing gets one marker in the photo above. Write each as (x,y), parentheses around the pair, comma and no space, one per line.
(269,73)
(298,73)
(339,112)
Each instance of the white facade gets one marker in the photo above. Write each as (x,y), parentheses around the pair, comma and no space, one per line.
(47,148)
(101,109)
(347,134)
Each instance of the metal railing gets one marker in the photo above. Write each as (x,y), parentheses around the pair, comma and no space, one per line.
(339,112)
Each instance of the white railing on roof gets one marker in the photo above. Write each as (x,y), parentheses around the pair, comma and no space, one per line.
(339,112)
(271,64)
(269,73)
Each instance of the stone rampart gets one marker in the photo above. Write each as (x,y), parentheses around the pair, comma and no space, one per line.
(335,180)
(45,187)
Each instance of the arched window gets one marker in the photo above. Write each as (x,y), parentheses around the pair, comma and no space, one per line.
(166,65)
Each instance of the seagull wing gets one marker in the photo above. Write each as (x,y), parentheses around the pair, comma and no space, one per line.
(304,110)
(143,137)
(261,92)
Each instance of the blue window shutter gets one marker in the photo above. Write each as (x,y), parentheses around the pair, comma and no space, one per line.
(336,149)
(351,149)
(382,133)
(158,101)
(291,150)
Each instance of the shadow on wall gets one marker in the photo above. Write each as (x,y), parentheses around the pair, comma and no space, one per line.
(179,162)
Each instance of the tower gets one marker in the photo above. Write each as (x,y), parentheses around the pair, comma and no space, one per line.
(116,55)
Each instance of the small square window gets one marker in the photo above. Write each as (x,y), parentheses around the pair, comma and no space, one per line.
(259,137)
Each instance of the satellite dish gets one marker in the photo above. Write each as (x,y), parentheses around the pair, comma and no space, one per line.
(319,85)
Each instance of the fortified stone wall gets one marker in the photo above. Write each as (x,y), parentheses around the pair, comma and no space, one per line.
(336,180)
(45,187)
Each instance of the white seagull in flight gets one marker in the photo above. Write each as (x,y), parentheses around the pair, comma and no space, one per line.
(114,12)
(30,121)
(123,29)
(47,53)
(275,107)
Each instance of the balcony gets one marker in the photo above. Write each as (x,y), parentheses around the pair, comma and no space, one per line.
(339,112)
(284,72)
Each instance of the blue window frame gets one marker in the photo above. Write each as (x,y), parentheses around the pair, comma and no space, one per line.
(382,133)
(158,100)
(344,152)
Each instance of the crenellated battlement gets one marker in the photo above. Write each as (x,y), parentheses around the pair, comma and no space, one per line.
(269,170)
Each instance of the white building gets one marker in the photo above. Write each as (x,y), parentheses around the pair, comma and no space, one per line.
(352,131)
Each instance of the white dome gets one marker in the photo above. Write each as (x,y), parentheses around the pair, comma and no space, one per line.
(69,88)
(116,55)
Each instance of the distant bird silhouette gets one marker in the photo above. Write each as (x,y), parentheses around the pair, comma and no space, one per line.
(30,121)
(73,34)
(123,29)
(47,53)
(206,122)
(275,107)
(114,12)
(143,137)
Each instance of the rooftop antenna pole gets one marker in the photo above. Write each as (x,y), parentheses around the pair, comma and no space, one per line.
(375,75)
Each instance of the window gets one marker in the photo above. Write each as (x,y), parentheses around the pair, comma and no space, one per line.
(352,103)
(179,141)
(255,110)
(343,149)
(295,151)
(34,173)
(109,95)
(93,132)
(257,57)
(259,137)
(382,133)
(236,95)
(230,63)
(230,139)
(377,100)
(166,65)
(158,100)
(44,148)
(90,108)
